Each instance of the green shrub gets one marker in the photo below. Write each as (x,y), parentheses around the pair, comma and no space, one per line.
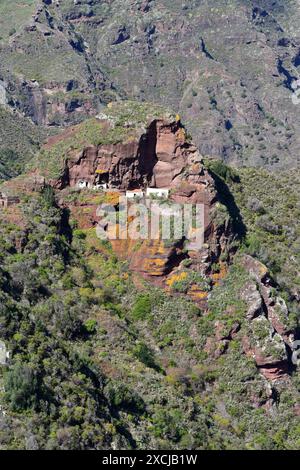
(219,168)
(21,387)
(142,307)
(145,355)
(90,326)
(48,196)
(122,397)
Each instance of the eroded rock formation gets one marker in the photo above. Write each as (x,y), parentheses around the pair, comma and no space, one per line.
(271,334)
(158,156)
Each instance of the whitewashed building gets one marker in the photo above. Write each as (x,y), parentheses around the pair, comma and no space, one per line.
(134,194)
(83,184)
(4,354)
(102,186)
(158,192)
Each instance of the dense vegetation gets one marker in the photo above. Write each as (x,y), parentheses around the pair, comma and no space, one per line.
(269,204)
(99,358)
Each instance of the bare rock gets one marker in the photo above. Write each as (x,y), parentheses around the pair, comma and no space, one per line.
(252,296)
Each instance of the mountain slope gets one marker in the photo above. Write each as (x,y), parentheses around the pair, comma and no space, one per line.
(228,68)
(19,141)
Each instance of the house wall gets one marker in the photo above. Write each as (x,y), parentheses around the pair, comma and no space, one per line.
(158,192)
(3,354)
(83,184)
(133,194)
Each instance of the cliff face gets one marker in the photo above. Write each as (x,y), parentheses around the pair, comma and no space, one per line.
(158,156)
(264,327)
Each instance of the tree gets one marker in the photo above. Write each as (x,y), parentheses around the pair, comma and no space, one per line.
(21,387)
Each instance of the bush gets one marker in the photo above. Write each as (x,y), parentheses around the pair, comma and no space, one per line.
(90,326)
(12,31)
(146,356)
(265,222)
(21,387)
(255,205)
(142,307)
(168,424)
(223,171)
(49,196)
(122,397)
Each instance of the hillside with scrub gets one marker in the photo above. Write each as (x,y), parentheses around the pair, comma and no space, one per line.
(230,68)
(112,342)
(107,352)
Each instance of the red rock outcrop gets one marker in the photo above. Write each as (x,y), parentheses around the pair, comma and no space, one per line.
(160,157)
(271,335)
(266,332)
(156,158)
(274,306)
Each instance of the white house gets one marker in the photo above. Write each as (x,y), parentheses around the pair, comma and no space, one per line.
(158,192)
(134,194)
(83,184)
(100,186)
(4,354)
